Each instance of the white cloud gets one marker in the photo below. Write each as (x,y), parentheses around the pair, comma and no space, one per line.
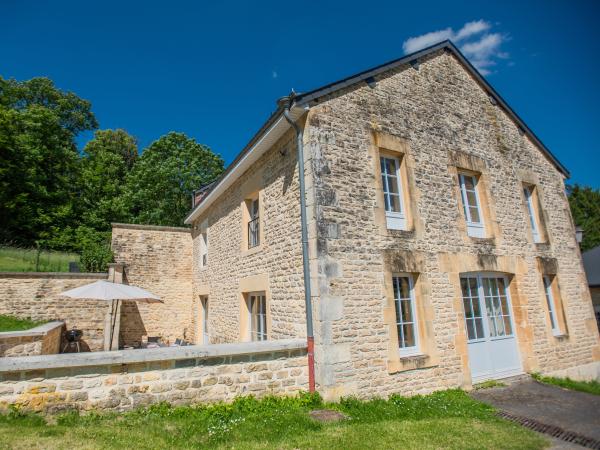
(480,46)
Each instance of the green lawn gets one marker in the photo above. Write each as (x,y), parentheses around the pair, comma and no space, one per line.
(13,259)
(448,420)
(9,323)
(591,387)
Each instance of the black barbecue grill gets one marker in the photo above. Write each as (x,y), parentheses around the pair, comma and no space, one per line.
(73,337)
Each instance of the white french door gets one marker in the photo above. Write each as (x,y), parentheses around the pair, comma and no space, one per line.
(491,338)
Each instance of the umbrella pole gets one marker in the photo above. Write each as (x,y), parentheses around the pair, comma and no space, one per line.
(115,316)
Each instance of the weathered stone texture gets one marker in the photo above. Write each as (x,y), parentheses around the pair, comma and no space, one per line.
(157,259)
(127,386)
(438,110)
(278,259)
(36,296)
(43,340)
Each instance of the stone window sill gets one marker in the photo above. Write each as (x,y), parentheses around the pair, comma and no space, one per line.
(252,250)
(412,362)
(415,357)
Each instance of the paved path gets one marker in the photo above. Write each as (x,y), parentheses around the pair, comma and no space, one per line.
(573,411)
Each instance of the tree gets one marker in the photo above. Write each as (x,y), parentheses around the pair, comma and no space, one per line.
(585,208)
(160,186)
(39,161)
(107,160)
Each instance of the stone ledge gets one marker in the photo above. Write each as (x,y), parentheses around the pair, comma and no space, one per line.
(68,360)
(56,275)
(135,226)
(42,330)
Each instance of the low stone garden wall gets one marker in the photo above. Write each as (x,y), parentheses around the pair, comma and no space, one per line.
(37,296)
(42,340)
(123,380)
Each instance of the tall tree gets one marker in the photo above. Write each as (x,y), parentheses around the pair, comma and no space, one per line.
(160,185)
(585,208)
(39,160)
(107,160)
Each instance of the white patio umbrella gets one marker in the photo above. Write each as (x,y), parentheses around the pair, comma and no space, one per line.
(114,293)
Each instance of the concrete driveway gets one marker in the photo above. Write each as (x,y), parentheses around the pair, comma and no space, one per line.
(576,413)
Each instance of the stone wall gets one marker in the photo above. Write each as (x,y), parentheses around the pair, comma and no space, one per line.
(275,266)
(157,259)
(42,340)
(36,296)
(440,118)
(123,380)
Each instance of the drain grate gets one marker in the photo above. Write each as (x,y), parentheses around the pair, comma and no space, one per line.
(552,430)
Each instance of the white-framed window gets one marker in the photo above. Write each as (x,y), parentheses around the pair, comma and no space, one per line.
(204,244)
(257,306)
(391,183)
(551,305)
(529,199)
(471,205)
(481,291)
(254,224)
(204,319)
(406,314)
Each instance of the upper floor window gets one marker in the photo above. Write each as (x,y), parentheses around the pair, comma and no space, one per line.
(551,305)
(391,183)
(471,204)
(253,224)
(204,244)
(406,320)
(257,305)
(531,203)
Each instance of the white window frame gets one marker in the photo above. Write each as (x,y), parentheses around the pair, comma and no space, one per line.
(394,220)
(204,244)
(415,349)
(484,316)
(551,304)
(260,334)
(474,229)
(535,229)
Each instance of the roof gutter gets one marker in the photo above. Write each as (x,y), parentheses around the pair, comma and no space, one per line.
(285,103)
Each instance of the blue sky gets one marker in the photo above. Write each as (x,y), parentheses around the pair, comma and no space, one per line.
(214,70)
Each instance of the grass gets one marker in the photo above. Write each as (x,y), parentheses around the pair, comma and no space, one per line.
(9,323)
(591,387)
(489,384)
(14,259)
(448,419)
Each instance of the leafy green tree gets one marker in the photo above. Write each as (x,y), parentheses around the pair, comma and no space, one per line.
(107,160)
(585,208)
(39,161)
(160,186)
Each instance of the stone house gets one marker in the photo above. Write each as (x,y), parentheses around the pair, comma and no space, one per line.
(441,249)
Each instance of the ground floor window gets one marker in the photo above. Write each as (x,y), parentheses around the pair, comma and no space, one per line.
(486,296)
(257,305)
(204,319)
(406,320)
(551,304)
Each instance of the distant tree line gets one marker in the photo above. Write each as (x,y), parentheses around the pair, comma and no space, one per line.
(54,196)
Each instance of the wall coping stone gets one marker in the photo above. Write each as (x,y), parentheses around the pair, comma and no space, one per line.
(57,275)
(68,360)
(135,226)
(41,330)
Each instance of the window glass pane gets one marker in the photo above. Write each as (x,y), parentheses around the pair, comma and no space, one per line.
(407,311)
(475,218)
(390,166)
(469,182)
(479,327)
(507,325)
(492,325)
(471,329)
(473,284)
(500,325)
(464,286)
(409,335)
(382,165)
(468,310)
(394,203)
(392,184)
(471,199)
(476,306)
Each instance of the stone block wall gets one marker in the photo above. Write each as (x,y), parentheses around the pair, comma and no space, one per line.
(119,381)
(157,259)
(442,119)
(42,340)
(275,266)
(36,296)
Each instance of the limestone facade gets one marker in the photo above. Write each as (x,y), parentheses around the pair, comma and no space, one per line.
(439,121)
(42,340)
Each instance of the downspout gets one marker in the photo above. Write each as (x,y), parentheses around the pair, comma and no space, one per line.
(285,104)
